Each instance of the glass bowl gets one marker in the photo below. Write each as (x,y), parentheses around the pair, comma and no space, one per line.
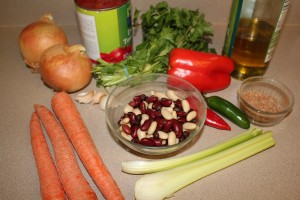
(264,100)
(146,84)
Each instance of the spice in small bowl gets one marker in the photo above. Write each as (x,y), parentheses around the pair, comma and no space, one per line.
(264,100)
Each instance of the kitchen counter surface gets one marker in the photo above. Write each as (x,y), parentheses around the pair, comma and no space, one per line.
(272,174)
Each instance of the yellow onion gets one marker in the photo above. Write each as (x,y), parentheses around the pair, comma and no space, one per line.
(66,68)
(38,36)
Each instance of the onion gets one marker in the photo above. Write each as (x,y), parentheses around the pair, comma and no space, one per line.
(38,36)
(66,68)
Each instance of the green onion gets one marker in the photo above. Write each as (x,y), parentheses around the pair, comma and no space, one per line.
(150,166)
(164,184)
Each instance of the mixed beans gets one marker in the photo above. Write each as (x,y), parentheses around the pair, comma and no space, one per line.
(158,119)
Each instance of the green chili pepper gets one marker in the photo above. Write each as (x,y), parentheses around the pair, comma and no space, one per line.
(228,110)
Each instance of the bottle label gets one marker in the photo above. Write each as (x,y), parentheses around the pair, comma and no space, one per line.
(275,35)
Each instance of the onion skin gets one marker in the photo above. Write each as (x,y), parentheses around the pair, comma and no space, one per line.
(38,36)
(66,68)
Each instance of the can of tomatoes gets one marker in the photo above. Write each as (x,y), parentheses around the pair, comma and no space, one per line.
(105,28)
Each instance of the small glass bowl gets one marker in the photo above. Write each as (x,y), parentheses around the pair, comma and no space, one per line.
(264,100)
(123,94)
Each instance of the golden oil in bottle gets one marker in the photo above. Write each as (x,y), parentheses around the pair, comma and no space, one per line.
(252,34)
(250,47)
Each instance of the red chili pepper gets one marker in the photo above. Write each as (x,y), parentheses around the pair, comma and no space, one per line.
(206,71)
(215,121)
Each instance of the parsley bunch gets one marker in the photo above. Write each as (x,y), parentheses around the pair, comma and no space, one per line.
(164,28)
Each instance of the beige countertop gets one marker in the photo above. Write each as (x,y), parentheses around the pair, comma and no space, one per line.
(272,174)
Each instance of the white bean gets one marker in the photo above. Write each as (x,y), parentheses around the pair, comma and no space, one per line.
(137,111)
(126,120)
(128,109)
(163,135)
(144,117)
(189,126)
(185,105)
(152,127)
(174,114)
(191,116)
(171,138)
(141,134)
(126,136)
(160,95)
(172,95)
(166,114)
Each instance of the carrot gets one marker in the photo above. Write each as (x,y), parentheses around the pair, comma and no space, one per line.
(50,185)
(72,179)
(71,120)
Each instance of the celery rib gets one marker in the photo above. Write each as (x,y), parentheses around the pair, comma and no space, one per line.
(150,166)
(164,184)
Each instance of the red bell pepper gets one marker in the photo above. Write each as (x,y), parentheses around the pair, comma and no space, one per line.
(206,71)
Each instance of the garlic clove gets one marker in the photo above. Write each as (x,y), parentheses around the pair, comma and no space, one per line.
(86,97)
(97,97)
(103,102)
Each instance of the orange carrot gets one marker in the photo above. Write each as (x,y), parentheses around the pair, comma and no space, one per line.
(50,185)
(72,179)
(71,120)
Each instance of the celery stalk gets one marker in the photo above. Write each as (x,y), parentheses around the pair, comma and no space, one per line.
(150,166)
(164,184)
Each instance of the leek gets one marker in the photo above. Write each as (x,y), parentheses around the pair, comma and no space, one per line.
(164,184)
(150,166)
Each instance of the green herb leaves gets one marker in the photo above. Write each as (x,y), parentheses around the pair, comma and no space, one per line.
(164,28)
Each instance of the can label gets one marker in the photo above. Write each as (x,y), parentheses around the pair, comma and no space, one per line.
(107,33)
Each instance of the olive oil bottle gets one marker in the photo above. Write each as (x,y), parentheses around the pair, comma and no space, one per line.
(252,34)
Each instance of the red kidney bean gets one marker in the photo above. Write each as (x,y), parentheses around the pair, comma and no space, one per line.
(140,97)
(168,125)
(147,142)
(166,102)
(135,140)
(151,113)
(181,114)
(176,108)
(156,105)
(177,128)
(142,107)
(194,120)
(131,116)
(134,130)
(178,103)
(126,129)
(134,104)
(158,142)
(181,138)
(161,120)
(159,126)
(145,126)
(135,122)
(138,118)
(151,99)
(155,135)
(158,114)
(182,120)
(186,134)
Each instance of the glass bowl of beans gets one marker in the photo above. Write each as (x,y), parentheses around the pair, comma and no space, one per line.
(264,100)
(155,114)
